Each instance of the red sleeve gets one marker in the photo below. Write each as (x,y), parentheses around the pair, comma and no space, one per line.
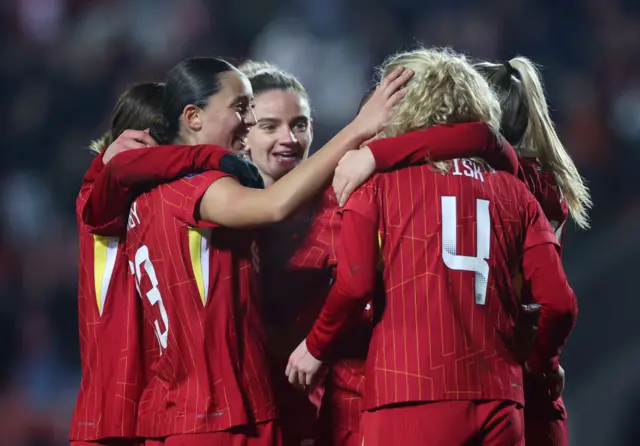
(355,278)
(95,170)
(542,269)
(183,197)
(107,206)
(445,142)
(538,229)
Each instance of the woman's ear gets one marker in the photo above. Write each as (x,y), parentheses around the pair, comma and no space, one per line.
(191,115)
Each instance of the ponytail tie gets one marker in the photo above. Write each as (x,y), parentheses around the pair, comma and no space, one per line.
(511,70)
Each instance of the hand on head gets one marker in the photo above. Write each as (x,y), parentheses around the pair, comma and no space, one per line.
(128,140)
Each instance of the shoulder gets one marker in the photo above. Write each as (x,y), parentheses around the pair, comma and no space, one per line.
(544,187)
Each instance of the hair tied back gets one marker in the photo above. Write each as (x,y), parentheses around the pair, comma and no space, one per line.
(267,70)
(511,70)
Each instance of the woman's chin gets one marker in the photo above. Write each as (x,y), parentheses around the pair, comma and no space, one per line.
(237,146)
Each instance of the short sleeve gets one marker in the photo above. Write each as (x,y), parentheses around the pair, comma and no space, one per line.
(184,196)
(538,229)
(364,201)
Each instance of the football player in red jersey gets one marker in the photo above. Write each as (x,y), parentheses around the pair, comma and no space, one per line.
(458,368)
(197,278)
(298,255)
(550,174)
(547,170)
(109,312)
(294,254)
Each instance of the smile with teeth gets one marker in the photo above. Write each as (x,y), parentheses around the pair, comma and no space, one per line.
(286,156)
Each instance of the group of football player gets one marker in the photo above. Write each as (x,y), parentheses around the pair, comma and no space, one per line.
(228,295)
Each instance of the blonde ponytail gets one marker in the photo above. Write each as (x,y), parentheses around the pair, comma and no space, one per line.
(541,136)
(100,144)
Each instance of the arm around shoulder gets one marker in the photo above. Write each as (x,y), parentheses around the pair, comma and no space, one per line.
(229,204)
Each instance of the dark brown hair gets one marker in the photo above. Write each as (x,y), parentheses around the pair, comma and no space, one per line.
(138,108)
(192,81)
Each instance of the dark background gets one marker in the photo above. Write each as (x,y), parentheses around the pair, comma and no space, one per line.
(63,63)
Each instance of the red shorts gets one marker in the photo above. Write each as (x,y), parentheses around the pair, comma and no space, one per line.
(110,442)
(297,416)
(338,437)
(263,434)
(339,423)
(498,423)
(545,421)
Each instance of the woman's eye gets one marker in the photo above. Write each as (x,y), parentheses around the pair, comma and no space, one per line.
(268,128)
(301,126)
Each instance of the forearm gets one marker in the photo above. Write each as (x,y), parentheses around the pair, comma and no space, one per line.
(464,140)
(340,312)
(134,168)
(107,206)
(550,289)
(356,279)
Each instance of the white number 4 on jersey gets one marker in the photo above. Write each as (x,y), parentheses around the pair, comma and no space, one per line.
(477,264)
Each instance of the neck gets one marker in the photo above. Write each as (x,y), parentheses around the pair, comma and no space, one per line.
(187,139)
(268,181)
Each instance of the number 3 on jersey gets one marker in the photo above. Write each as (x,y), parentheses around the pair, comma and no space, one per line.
(477,264)
(142,257)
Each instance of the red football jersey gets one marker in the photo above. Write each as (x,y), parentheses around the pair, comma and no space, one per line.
(109,324)
(298,258)
(198,283)
(451,244)
(544,187)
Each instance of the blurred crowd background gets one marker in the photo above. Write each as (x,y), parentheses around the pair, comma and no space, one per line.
(64,62)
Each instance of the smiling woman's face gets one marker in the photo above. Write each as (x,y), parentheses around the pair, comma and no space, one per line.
(281,138)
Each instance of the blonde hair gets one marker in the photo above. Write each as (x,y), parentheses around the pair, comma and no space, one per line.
(100,144)
(445,89)
(526,118)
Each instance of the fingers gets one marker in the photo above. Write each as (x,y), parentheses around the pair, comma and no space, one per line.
(132,145)
(148,140)
(395,74)
(394,89)
(287,370)
(139,136)
(302,380)
(398,96)
(347,190)
(308,379)
(338,185)
(292,375)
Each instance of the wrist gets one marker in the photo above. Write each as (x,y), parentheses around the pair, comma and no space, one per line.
(361,129)
(313,348)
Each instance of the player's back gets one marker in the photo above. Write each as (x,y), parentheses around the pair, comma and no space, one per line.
(198,285)
(109,315)
(451,243)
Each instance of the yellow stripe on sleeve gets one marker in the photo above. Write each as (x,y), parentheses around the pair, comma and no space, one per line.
(199,254)
(105,250)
